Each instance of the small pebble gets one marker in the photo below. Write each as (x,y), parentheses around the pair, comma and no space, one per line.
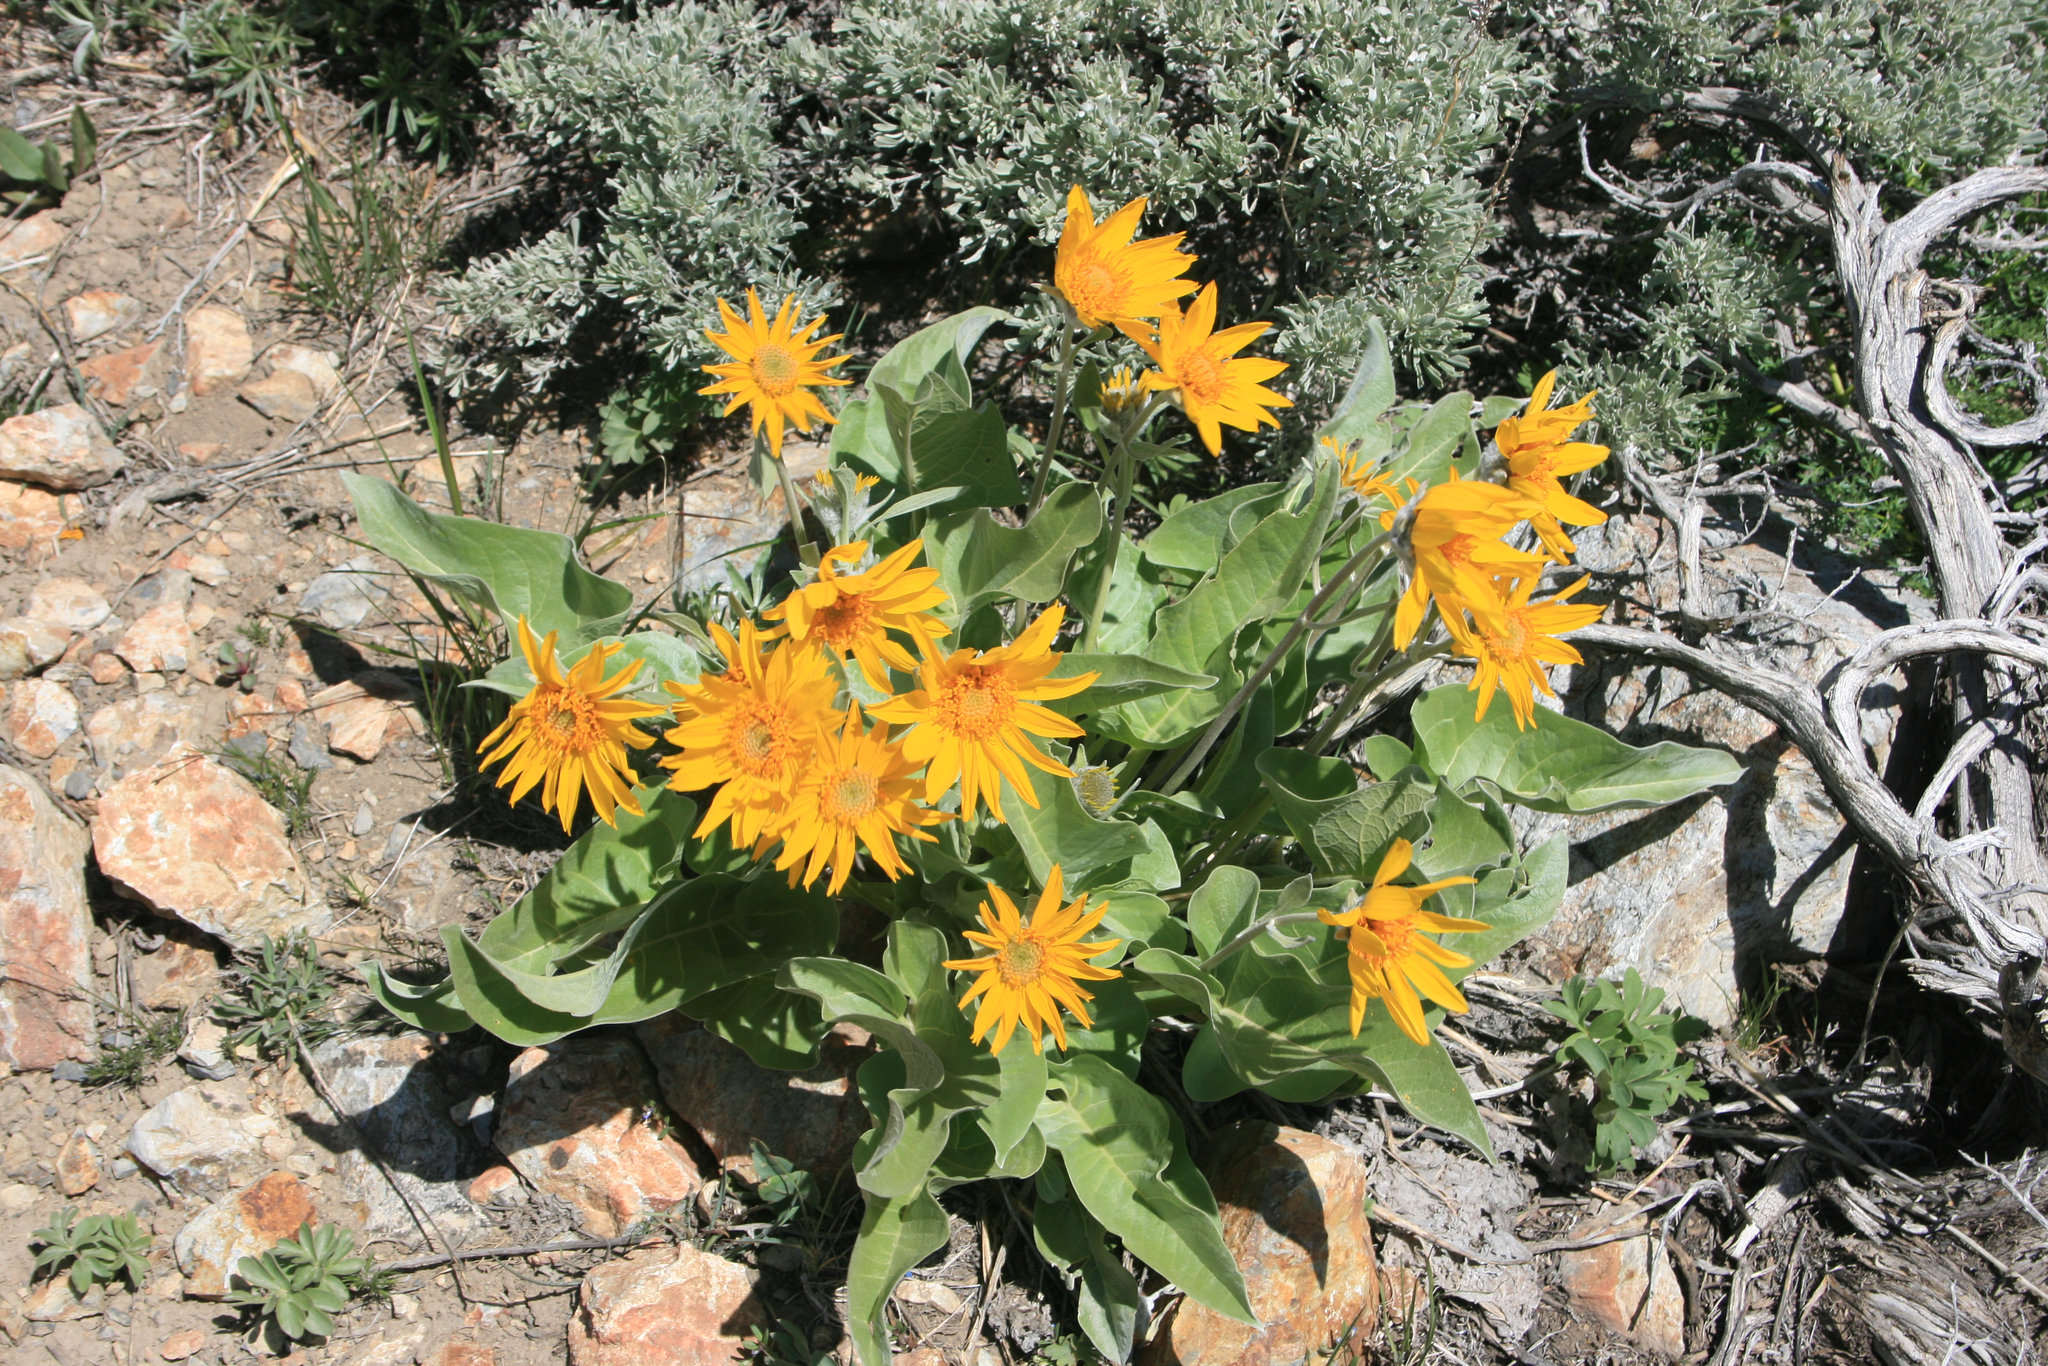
(78,784)
(308,747)
(122,1168)
(365,818)
(68,1070)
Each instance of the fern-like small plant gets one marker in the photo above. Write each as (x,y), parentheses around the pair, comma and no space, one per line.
(301,1283)
(100,1248)
(1628,1046)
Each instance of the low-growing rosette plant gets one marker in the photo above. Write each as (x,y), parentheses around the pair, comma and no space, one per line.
(1094,783)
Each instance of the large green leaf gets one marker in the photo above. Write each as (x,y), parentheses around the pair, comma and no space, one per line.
(1194,537)
(777,1028)
(1120,678)
(920,354)
(1090,849)
(982,561)
(694,937)
(963,448)
(1070,1238)
(1258,576)
(1357,417)
(895,1235)
(1558,764)
(1128,1164)
(432,1007)
(1433,442)
(511,571)
(1345,828)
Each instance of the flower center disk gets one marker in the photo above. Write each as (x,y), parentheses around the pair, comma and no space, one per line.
(851,795)
(1200,376)
(1022,961)
(566,720)
(978,706)
(775,369)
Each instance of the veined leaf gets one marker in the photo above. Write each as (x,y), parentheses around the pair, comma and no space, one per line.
(777,1028)
(1558,764)
(922,352)
(1071,1239)
(895,1235)
(1357,417)
(1194,537)
(1060,830)
(510,571)
(1345,828)
(982,561)
(1129,1166)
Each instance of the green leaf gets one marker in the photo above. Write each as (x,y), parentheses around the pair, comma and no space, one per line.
(20,159)
(1222,907)
(967,449)
(1124,678)
(1023,1076)
(1061,830)
(1461,837)
(1558,764)
(922,352)
(777,1028)
(1125,1157)
(1069,1238)
(859,995)
(1434,440)
(1386,756)
(1196,536)
(982,561)
(1515,917)
(1371,393)
(1256,578)
(432,1008)
(1345,828)
(895,1235)
(510,571)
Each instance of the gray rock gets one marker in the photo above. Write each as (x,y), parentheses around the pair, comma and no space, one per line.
(397,1101)
(363,821)
(343,598)
(205,1139)
(78,784)
(69,1071)
(308,747)
(170,585)
(1695,894)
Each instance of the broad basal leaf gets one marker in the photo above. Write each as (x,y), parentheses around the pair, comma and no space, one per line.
(982,561)
(1558,764)
(511,571)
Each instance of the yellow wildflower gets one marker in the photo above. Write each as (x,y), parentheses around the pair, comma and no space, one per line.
(1539,458)
(1105,277)
(1511,655)
(859,790)
(1453,537)
(852,614)
(1200,366)
(1034,968)
(773,369)
(571,732)
(1391,954)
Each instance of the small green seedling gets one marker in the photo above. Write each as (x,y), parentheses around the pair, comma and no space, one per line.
(1628,1047)
(38,171)
(100,1247)
(302,1282)
(285,986)
(783,1186)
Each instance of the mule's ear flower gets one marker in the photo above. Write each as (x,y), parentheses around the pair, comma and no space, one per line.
(750,731)
(1034,968)
(1215,386)
(859,790)
(571,732)
(773,369)
(975,711)
(1539,458)
(1512,651)
(1451,541)
(853,614)
(1392,956)
(1107,278)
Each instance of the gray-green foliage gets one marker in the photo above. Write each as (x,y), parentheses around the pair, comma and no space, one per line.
(1320,154)
(100,1248)
(302,1282)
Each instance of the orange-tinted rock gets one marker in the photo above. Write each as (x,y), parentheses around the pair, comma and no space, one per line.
(178,975)
(245,1224)
(1293,1208)
(78,1165)
(365,714)
(571,1123)
(179,1346)
(665,1306)
(29,645)
(100,311)
(811,1117)
(461,1354)
(41,715)
(218,352)
(32,237)
(105,667)
(249,713)
(285,395)
(291,695)
(498,1186)
(121,377)
(45,930)
(1627,1287)
(60,447)
(193,839)
(137,729)
(160,641)
(202,452)
(30,517)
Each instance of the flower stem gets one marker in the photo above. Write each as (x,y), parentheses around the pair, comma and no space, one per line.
(1302,624)
(805,551)
(1123,467)
(1062,391)
(1253,931)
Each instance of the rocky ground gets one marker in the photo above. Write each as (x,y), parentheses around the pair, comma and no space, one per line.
(215,730)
